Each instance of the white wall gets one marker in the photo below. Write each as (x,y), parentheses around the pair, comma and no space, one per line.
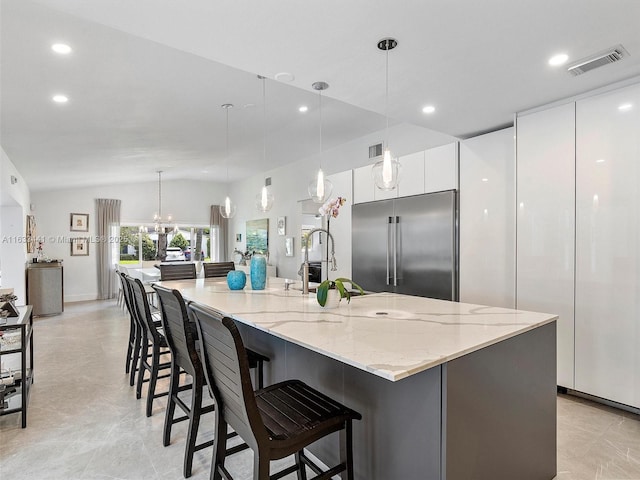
(188,201)
(14,206)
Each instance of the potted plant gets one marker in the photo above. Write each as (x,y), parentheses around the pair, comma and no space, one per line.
(323,291)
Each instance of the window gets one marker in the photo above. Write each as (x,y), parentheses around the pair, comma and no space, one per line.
(140,243)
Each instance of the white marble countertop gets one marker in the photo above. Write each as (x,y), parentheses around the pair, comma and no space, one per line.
(390,335)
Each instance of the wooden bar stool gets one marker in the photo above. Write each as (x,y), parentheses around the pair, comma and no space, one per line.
(276,421)
(153,345)
(181,337)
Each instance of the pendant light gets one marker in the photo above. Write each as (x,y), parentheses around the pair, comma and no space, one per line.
(228,209)
(386,171)
(264,200)
(320,188)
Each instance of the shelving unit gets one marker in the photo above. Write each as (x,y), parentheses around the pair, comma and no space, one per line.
(17,338)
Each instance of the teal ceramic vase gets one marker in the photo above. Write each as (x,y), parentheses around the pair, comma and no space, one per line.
(236,279)
(258,272)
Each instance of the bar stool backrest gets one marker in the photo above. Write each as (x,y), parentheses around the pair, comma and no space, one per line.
(218,269)
(226,368)
(177,271)
(142,307)
(178,330)
(126,292)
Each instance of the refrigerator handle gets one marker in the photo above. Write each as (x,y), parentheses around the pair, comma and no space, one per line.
(388,249)
(395,252)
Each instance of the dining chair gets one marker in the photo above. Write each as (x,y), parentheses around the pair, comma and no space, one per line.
(218,269)
(177,271)
(276,421)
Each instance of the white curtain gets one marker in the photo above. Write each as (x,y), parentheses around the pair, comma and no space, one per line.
(219,234)
(108,215)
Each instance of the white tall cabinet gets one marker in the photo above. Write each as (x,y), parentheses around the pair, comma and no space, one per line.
(578,237)
(608,246)
(545,223)
(487,219)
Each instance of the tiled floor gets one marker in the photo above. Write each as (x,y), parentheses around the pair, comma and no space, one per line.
(85,423)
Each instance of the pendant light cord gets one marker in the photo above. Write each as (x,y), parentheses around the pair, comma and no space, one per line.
(386,107)
(159,196)
(320,108)
(227,145)
(264,121)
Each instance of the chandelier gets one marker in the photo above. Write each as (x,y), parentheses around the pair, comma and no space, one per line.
(158,220)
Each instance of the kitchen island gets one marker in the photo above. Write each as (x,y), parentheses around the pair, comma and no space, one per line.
(447,390)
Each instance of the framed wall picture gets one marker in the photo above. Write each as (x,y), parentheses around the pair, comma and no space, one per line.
(79,247)
(282,223)
(31,234)
(288,247)
(79,222)
(257,237)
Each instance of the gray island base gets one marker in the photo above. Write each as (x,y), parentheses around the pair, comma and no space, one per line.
(447,391)
(490,414)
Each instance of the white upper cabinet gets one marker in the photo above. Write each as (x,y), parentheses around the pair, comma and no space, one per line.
(546,223)
(411,175)
(441,168)
(487,219)
(426,171)
(608,246)
(363,185)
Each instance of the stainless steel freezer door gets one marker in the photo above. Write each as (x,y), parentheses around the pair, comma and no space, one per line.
(371,247)
(426,245)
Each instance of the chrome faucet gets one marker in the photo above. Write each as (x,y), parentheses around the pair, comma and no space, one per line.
(304,268)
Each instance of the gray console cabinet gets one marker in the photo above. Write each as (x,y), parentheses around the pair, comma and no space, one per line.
(45,288)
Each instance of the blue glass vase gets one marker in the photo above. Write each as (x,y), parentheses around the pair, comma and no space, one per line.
(236,279)
(258,272)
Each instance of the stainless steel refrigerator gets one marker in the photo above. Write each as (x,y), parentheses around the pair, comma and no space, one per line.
(407,245)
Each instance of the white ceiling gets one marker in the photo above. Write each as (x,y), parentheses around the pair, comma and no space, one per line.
(146,79)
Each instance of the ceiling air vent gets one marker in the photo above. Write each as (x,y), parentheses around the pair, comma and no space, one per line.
(610,55)
(375,150)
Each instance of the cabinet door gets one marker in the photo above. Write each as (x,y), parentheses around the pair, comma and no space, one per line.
(363,185)
(546,223)
(441,168)
(608,246)
(488,219)
(411,175)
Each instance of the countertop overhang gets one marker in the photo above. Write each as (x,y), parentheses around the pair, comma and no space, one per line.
(390,335)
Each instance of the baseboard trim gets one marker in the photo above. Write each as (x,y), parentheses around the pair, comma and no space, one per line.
(604,401)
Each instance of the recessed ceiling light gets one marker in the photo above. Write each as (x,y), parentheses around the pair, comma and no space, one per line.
(485,179)
(558,60)
(625,106)
(600,160)
(60,98)
(303,109)
(61,48)
(428,109)
(284,77)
